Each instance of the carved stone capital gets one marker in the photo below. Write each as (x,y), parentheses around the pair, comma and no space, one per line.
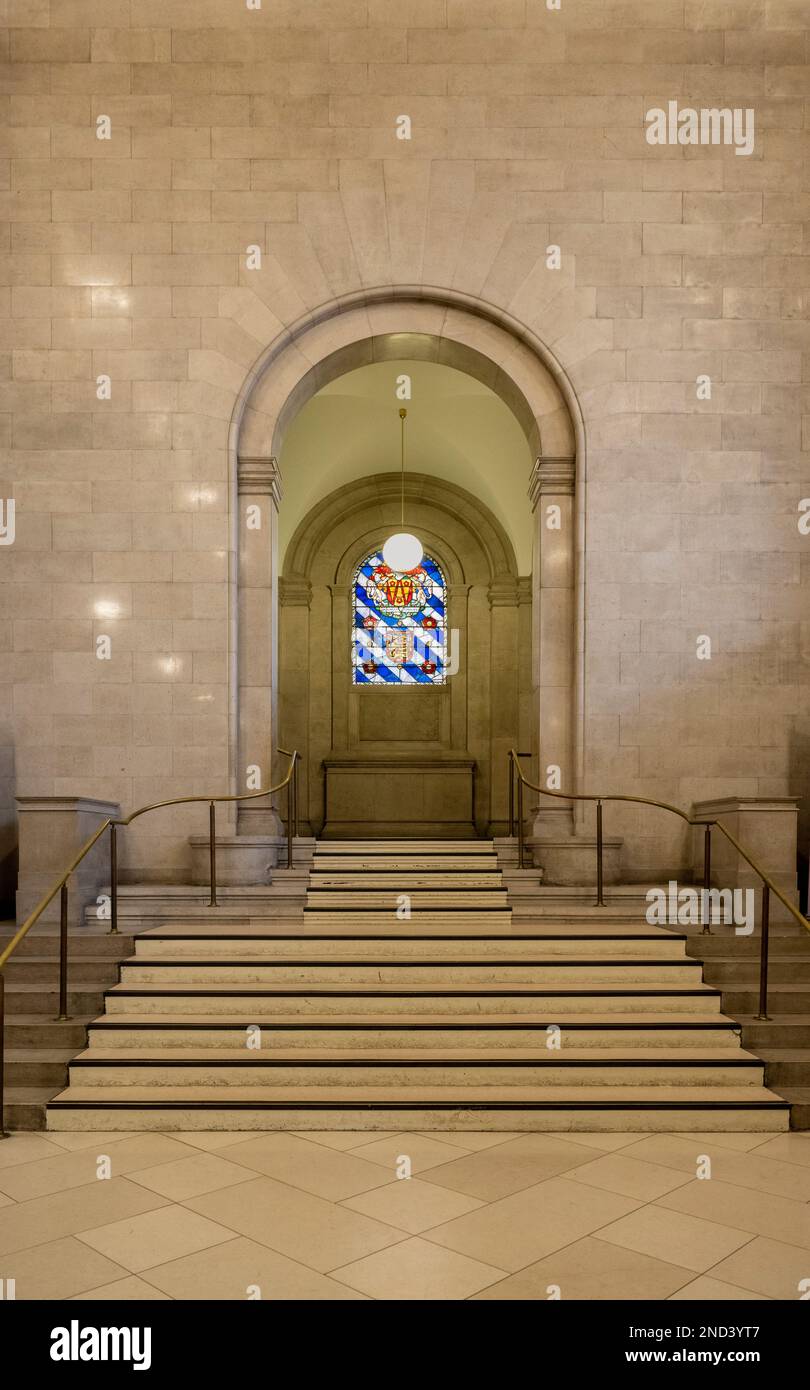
(552,475)
(503,591)
(295,591)
(260,476)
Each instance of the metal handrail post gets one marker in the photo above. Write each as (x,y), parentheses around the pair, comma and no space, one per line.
(212,852)
(521,829)
(707,878)
(63,953)
(763,954)
(511,794)
(113,879)
(600,868)
(2,1049)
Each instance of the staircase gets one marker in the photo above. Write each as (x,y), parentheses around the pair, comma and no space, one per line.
(407,995)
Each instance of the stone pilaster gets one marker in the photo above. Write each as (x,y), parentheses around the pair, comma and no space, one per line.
(551,491)
(259,487)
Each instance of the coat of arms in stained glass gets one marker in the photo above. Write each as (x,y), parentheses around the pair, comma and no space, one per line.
(399,631)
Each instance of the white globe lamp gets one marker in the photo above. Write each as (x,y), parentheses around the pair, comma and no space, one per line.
(402,552)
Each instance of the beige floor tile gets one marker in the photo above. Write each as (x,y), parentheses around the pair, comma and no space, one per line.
(591,1269)
(155,1237)
(704,1289)
(522,1228)
(326,1172)
(411,1205)
(319,1234)
(470,1139)
(230,1270)
(779,1218)
(606,1142)
(619,1173)
(190,1177)
(66,1213)
(6,1201)
(791,1148)
(87,1139)
(348,1139)
(417,1270)
(124,1290)
(678,1239)
(58,1269)
(66,1170)
(762,1173)
(523,1162)
(218,1138)
(25,1148)
(729,1139)
(423,1150)
(769,1267)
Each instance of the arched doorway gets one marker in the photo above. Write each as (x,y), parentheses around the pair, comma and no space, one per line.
(382,327)
(363,743)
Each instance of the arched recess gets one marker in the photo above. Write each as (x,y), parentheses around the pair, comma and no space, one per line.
(463,333)
(362,745)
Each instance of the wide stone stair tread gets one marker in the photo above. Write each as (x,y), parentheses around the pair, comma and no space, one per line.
(459,881)
(680,1056)
(428,990)
(458,1095)
(434,1020)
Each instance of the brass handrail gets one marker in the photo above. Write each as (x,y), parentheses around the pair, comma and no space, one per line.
(516,821)
(112,823)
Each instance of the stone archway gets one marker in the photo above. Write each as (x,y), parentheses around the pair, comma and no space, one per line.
(474,338)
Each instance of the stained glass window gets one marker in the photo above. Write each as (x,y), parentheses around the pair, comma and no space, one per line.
(399,624)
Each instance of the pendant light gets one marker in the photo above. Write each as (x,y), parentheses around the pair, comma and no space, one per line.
(402,551)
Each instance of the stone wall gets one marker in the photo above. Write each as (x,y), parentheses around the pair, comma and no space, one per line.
(278,128)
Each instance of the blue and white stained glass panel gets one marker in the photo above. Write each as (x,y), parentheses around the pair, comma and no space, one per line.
(399,635)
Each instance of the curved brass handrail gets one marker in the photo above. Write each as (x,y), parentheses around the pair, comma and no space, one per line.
(514,765)
(112,822)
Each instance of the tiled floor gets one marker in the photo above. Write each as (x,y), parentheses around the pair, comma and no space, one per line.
(327,1216)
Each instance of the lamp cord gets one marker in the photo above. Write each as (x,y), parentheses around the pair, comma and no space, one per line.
(402,414)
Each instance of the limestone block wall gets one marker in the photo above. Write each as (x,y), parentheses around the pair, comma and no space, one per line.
(278,127)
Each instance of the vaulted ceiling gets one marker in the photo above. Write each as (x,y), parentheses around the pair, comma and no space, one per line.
(457,429)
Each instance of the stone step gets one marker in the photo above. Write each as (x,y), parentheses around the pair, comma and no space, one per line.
(798,1098)
(787,1066)
(419,900)
(405,879)
(782,998)
(783,1030)
(24,1106)
(623,1108)
(37,1031)
(84,943)
(257,1002)
(423,919)
(787,940)
(402,849)
(82,969)
(44,999)
(262,947)
(37,1066)
(603,1032)
(361,1069)
(404,973)
(415,863)
(782,969)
